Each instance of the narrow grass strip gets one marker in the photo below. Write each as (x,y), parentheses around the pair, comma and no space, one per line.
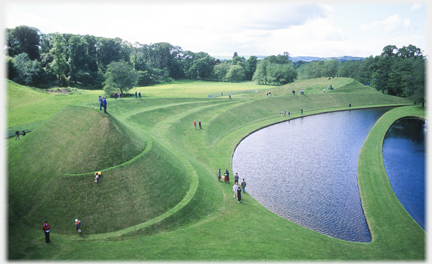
(391,226)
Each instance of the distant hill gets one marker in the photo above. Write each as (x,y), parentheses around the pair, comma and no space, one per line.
(297,58)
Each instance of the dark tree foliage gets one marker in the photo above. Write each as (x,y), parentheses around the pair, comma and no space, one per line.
(23,39)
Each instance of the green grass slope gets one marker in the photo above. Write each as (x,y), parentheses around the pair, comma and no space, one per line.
(165,202)
(51,173)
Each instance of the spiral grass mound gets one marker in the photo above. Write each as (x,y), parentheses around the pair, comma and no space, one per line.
(54,168)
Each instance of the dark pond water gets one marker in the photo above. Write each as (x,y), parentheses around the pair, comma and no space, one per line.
(305,170)
(404,160)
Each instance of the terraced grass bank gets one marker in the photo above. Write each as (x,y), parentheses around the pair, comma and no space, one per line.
(158,197)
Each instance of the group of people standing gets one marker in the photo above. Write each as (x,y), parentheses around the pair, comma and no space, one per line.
(236,188)
(102,103)
(17,133)
(199,123)
(46,228)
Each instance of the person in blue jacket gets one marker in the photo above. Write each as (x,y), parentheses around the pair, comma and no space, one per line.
(104,104)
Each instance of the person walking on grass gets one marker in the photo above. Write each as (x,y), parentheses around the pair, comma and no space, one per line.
(219,174)
(100,102)
(46,229)
(135,94)
(235,188)
(78,225)
(236,178)
(195,124)
(239,195)
(104,104)
(139,95)
(226,179)
(243,185)
(199,123)
(16,134)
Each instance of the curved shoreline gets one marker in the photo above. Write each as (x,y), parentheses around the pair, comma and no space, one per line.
(377,196)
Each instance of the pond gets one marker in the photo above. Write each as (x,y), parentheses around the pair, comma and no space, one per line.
(305,170)
(404,161)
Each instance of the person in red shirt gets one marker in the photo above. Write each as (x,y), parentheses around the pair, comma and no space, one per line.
(46,229)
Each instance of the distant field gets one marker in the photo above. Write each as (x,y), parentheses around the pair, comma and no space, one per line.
(198,89)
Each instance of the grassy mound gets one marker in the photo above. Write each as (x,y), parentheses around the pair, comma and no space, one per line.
(80,140)
(171,185)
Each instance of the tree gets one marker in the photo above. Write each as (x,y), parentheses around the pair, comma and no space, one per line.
(221,70)
(119,77)
(59,64)
(260,75)
(202,68)
(280,74)
(235,73)
(26,70)
(23,39)
(250,67)
(77,57)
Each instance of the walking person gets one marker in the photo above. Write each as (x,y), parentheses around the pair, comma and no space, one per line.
(226,179)
(199,122)
(195,124)
(139,94)
(302,111)
(100,102)
(46,229)
(135,94)
(23,133)
(235,188)
(78,225)
(16,134)
(119,95)
(239,195)
(236,178)
(219,174)
(104,104)
(243,185)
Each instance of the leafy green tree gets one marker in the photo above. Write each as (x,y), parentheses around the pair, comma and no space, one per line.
(330,68)
(119,77)
(221,70)
(202,68)
(415,82)
(365,72)
(77,57)
(23,39)
(260,75)
(26,70)
(310,70)
(108,50)
(59,64)
(279,74)
(235,73)
(250,67)
(237,60)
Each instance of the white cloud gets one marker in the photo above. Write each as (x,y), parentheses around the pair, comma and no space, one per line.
(416,7)
(391,24)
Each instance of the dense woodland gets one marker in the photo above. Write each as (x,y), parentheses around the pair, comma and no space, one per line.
(90,62)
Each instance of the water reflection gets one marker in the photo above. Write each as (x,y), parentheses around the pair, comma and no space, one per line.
(404,160)
(305,170)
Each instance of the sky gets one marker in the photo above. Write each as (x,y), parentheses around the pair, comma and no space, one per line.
(322,29)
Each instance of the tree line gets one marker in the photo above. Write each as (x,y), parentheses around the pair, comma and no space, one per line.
(396,71)
(44,60)
(86,61)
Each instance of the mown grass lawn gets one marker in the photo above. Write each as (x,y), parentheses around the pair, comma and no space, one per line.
(159,198)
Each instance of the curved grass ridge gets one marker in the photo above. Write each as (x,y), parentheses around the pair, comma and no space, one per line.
(388,220)
(206,223)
